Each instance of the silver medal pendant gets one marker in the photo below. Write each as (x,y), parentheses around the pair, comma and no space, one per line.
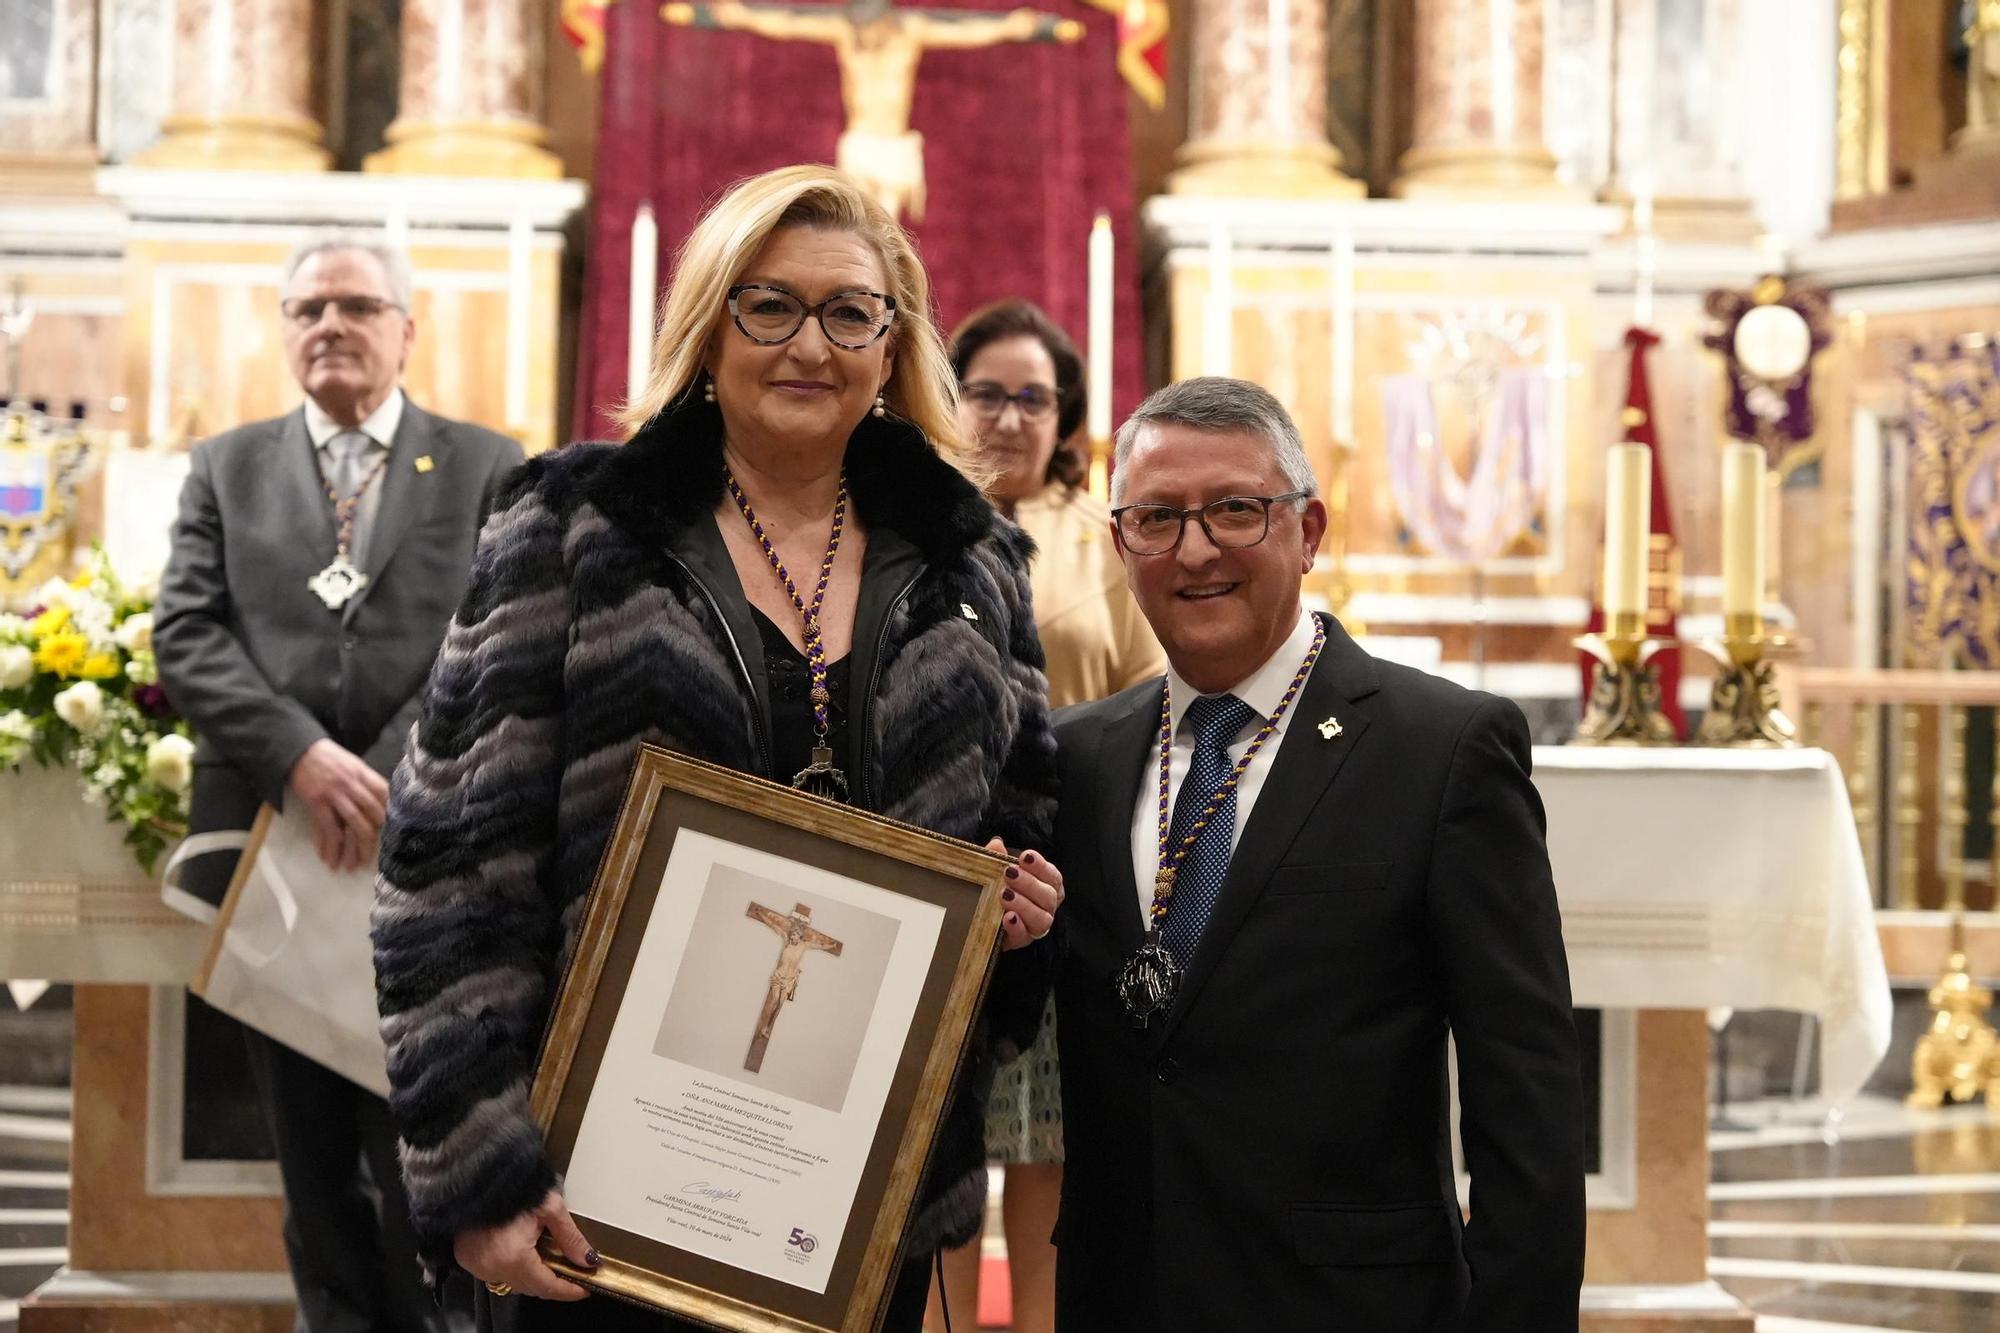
(820,777)
(1147,981)
(338,582)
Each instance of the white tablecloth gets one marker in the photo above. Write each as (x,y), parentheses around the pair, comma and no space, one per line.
(1691,878)
(74,905)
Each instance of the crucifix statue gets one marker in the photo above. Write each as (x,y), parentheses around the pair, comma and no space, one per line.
(878,48)
(799,936)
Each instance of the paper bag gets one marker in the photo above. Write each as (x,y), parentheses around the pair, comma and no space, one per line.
(290,954)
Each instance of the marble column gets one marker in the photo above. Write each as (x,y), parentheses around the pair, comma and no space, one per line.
(471,86)
(1258,103)
(1478,124)
(242,88)
(1679,116)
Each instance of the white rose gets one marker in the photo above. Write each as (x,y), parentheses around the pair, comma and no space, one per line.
(81,705)
(93,618)
(135,633)
(12,626)
(15,726)
(170,762)
(17,665)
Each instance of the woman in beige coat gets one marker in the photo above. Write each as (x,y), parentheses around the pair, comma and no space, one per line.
(1021,397)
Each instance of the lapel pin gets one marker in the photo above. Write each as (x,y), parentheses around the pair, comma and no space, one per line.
(424,463)
(1329,729)
(965,609)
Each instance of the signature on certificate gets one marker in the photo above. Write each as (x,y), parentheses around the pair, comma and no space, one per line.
(714,1193)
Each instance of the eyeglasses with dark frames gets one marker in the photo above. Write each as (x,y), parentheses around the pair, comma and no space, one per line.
(1233,522)
(306,311)
(771,315)
(1036,401)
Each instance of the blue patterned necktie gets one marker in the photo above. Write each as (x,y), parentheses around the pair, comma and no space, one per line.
(1217,720)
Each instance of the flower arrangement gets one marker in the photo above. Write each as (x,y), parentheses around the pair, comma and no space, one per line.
(79,687)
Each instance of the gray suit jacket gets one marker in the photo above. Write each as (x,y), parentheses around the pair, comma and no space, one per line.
(259,664)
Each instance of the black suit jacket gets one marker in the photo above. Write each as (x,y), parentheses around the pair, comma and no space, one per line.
(260,666)
(1275,1154)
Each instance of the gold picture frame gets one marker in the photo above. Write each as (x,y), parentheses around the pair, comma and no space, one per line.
(771,1195)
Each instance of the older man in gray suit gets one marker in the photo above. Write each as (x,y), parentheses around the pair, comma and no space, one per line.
(316,562)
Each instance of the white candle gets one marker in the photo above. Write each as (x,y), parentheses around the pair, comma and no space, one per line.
(1628,514)
(640,302)
(1218,355)
(1343,338)
(1645,251)
(1744,498)
(1098,390)
(518,296)
(1774,541)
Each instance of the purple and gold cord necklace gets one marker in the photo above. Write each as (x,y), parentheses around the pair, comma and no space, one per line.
(820,777)
(1149,978)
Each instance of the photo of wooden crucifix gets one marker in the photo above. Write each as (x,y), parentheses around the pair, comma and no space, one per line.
(878,48)
(799,936)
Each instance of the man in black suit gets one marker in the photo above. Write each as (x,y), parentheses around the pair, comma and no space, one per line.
(1255,1099)
(316,562)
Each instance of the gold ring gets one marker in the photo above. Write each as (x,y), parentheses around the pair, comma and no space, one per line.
(500,1288)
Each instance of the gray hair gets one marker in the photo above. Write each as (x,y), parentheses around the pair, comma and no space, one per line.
(1215,403)
(395,264)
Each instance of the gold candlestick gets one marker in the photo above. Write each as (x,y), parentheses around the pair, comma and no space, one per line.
(1743,709)
(1624,706)
(1958,1057)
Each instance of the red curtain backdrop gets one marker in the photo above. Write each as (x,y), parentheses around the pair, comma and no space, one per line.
(1023,144)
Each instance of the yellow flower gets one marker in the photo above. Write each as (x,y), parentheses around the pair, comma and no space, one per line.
(52,621)
(62,654)
(98,666)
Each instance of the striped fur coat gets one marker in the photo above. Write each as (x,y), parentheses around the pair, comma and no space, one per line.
(585,632)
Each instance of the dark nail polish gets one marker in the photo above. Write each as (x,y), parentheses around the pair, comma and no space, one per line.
(1008,894)
(1013,873)
(591,1259)
(1027,857)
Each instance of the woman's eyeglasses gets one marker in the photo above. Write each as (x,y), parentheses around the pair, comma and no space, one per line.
(1037,401)
(771,315)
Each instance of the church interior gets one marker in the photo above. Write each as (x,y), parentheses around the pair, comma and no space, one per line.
(1647,354)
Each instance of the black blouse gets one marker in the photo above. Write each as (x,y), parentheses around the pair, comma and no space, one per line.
(793,731)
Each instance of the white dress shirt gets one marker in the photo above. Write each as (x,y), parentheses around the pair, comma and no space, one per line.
(380,427)
(1262,690)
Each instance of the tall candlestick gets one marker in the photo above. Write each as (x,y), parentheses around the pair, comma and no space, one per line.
(1774,534)
(1099,386)
(1343,338)
(519,235)
(1628,512)
(1743,529)
(1645,251)
(640,304)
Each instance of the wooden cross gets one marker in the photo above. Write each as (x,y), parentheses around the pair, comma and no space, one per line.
(799,936)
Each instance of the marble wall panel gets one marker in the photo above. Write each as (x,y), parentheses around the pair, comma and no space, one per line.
(48,88)
(136,87)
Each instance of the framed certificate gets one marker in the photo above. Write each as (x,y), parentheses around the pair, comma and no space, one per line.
(751,1049)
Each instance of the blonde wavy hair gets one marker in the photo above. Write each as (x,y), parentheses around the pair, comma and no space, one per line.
(921,389)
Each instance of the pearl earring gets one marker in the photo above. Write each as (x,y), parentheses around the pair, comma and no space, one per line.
(708,390)
(881,407)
